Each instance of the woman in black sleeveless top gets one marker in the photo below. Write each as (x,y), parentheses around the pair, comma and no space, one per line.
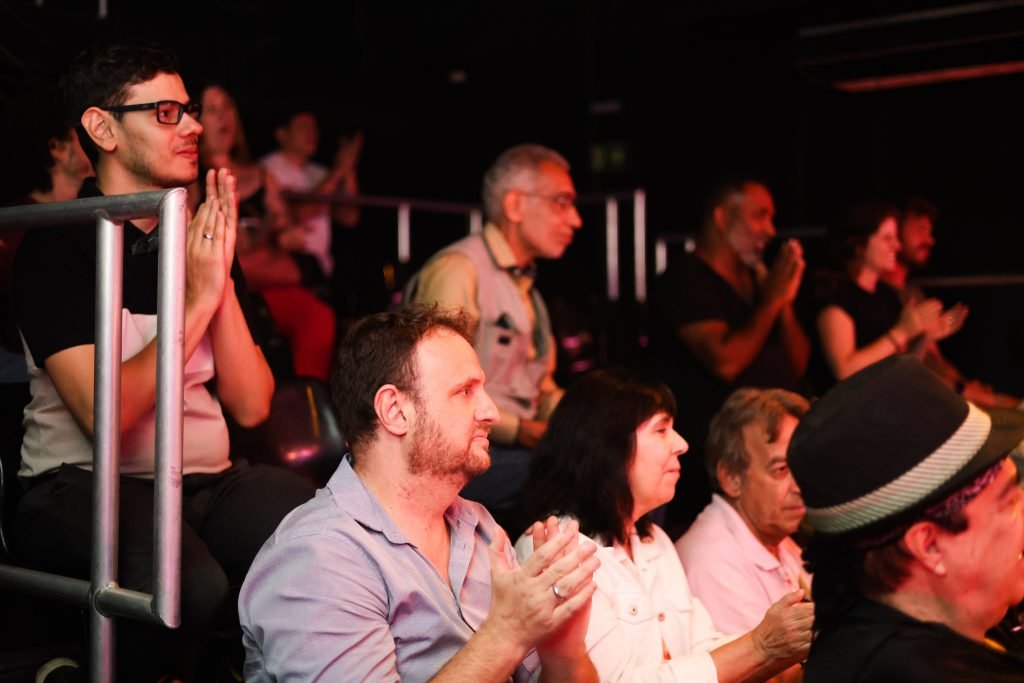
(864,320)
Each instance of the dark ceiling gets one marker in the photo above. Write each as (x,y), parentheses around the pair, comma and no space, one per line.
(661,95)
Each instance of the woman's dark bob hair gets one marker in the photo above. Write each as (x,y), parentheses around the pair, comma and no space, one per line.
(581,466)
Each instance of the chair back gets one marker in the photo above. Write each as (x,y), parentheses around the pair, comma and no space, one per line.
(303,428)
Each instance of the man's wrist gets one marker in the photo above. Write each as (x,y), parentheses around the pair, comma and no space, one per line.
(201,304)
(500,644)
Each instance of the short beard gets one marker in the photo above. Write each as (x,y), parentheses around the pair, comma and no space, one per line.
(433,456)
(914,264)
(141,168)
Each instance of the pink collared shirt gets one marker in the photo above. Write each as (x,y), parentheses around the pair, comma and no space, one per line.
(732,572)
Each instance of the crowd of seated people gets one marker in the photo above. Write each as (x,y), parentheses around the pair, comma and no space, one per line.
(396,567)
(269,239)
(609,457)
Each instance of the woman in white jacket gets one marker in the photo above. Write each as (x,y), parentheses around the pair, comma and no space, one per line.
(610,455)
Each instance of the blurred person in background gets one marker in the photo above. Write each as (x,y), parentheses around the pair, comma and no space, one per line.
(724,319)
(864,319)
(530,202)
(307,322)
(916,232)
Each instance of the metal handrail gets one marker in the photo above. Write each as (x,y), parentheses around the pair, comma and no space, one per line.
(404,205)
(105,599)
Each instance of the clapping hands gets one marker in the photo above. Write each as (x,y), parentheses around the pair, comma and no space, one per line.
(210,241)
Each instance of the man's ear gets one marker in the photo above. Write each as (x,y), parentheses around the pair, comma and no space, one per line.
(922,541)
(58,149)
(718,217)
(730,481)
(512,206)
(97,125)
(393,409)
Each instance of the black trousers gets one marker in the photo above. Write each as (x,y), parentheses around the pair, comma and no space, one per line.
(226,517)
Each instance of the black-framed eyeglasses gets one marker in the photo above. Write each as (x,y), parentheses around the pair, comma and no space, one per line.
(167,111)
(563,200)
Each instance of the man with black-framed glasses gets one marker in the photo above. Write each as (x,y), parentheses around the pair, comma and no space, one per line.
(530,202)
(168,112)
(138,124)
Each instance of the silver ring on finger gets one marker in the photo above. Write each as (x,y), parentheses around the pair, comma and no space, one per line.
(558,592)
(207,236)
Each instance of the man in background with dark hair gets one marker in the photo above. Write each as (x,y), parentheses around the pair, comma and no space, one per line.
(387,574)
(292,166)
(916,231)
(137,122)
(918,516)
(723,320)
(41,161)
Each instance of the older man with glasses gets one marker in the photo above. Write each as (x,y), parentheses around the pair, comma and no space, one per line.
(529,199)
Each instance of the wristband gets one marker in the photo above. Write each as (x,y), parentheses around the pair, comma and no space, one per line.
(895,344)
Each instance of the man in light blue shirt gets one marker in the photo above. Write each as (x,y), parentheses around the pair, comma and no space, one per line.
(387,573)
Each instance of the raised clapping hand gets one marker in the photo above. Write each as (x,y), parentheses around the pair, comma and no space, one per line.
(949,322)
(210,241)
(917,317)
(784,635)
(782,280)
(349,151)
(525,608)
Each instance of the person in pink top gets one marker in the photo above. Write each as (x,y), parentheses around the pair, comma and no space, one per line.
(609,456)
(738,554)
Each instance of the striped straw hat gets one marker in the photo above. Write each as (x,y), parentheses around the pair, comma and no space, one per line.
(887,442)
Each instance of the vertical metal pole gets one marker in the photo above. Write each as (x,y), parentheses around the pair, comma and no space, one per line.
(403,233)
(660,256)
(170,351)
(611,236)
(106,437)
(640,244)
(476,221)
